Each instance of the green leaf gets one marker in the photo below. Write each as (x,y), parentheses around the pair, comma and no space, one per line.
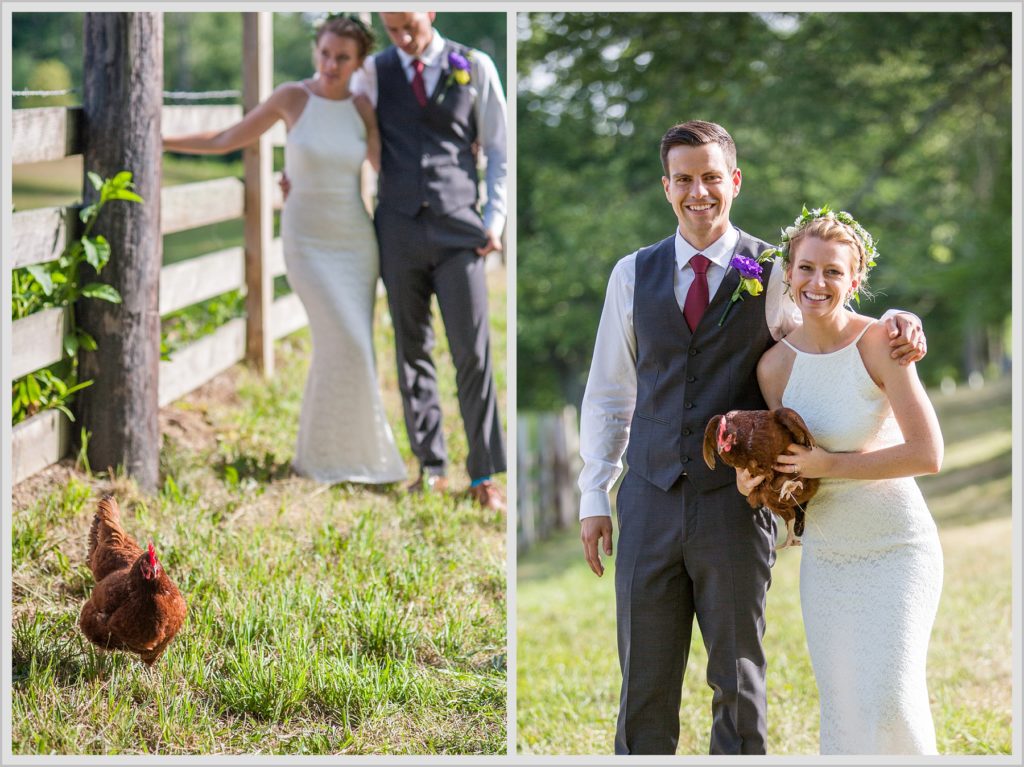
(97,182)
(59,386)
(41,274)
(86,341)
(32,386)
(65,411)
(124,194)
(102,251)
(91,254)
(70,344)
(79,386)
(102,291)
(86,212)
(122,179)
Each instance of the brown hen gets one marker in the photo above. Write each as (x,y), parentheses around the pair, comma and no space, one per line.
(752,440)
(134,607)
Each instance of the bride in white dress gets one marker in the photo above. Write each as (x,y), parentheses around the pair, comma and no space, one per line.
(871,568)
(330,254)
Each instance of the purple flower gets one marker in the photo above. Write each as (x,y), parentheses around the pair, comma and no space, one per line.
(457,60)
(747,267)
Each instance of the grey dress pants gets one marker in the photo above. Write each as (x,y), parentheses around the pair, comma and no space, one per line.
(685,554)
(422,256)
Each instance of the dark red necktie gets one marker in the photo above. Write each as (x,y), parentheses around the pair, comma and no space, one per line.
(697,295)
(419,88)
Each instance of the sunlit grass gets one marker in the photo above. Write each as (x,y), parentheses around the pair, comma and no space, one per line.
(567,667)
(322,620)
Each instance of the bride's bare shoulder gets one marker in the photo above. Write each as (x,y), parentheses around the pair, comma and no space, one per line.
(773,371)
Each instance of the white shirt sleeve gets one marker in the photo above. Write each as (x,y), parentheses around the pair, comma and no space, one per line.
(610,396)
(781,313)
(490,111)
(364,80)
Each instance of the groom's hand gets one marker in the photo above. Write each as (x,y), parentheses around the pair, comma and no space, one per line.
(906,337)
(493,243)
(592,531)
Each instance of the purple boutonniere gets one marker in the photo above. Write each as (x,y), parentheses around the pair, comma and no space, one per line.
(460,69)
(750,281)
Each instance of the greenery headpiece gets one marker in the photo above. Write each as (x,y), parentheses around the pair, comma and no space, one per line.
(806,217)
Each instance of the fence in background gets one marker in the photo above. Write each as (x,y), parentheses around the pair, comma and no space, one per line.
(38,236)
(548,465)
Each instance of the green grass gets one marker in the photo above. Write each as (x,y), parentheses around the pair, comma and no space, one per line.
(322,620)
(567,668)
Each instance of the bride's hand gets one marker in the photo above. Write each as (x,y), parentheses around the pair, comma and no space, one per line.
(745,483)
(810,462)
(493,243)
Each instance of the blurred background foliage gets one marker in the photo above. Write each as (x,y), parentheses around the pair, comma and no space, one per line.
(203,51)
(904,119)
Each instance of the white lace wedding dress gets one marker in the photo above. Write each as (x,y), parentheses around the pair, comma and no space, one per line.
(330,253)
(870,573)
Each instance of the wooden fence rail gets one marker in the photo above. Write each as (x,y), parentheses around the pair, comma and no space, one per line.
(548,465)
(39,236)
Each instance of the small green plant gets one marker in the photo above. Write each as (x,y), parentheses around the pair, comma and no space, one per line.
(42,390)
(59,283)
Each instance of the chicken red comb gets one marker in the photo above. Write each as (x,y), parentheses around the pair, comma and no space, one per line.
(152,554)
(723,445)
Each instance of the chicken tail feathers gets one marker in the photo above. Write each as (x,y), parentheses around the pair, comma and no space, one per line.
(792,421)
(106,519)
(110,548)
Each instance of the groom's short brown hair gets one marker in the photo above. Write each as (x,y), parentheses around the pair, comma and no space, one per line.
(698,133)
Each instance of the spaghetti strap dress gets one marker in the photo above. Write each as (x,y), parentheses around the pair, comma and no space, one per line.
(870,571)
(330,252)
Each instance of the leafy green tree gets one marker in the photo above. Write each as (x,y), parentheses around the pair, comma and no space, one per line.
(898,118)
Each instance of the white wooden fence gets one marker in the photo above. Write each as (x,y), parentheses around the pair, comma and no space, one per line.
(38,236)
(547,466)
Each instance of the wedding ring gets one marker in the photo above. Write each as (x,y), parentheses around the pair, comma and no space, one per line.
(796,468)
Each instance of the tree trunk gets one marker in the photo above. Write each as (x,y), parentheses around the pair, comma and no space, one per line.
(121,103)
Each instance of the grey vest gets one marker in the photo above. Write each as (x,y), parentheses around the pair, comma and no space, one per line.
(685,378)
(427,156)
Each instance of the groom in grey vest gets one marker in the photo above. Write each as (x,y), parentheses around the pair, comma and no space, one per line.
(438,104)
(672,350)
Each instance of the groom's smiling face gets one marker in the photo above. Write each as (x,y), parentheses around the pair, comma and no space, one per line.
(701,186)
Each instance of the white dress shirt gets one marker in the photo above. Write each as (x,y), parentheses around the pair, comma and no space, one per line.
(611,387)
(488,108)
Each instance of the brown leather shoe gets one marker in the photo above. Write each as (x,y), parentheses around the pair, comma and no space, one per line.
(430,483)
(488,495)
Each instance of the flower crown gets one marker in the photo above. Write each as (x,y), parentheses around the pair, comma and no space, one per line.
(806,217)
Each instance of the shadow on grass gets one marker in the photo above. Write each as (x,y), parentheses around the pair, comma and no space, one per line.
(54,648)
(249,467)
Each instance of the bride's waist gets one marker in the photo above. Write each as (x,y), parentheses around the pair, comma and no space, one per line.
(346,193)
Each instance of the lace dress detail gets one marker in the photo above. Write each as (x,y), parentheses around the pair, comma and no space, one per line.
(330,253)
(870,572)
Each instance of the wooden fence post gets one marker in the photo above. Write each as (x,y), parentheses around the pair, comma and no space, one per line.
(259,214)
(121,103)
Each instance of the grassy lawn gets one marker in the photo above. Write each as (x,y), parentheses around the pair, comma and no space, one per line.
(322,620)
(567,667)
